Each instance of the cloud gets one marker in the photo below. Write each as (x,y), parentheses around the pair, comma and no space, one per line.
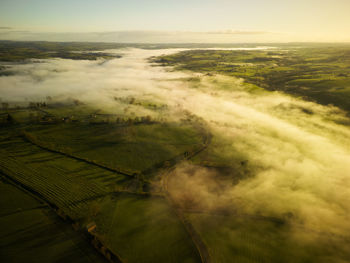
(139,36)
(238,32)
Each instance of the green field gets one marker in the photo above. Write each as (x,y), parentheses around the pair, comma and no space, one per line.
(144,229)
(249,239)
(21,51)
(77,175)
(76,188)
(14,51)
(131,148)
(31,232)
(316,72)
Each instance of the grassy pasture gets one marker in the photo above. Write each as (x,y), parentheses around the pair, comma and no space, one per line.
(31,232)
(318,73)
(245,239)
(138,227)
(14,201)
(63,181)
(144,229)
(131,148)
(11,51)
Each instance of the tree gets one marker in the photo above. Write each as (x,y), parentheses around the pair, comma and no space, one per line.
(148,118)
(5,105)
(9,118)
(76,102)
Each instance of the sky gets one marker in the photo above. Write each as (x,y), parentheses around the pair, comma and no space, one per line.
(171,21)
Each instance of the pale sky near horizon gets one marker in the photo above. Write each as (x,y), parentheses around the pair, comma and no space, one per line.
(260,20)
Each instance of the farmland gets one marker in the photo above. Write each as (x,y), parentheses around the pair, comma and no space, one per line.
(34,233)
(86,188)
(149,145)
(250,239)
(151,154)
(319,73)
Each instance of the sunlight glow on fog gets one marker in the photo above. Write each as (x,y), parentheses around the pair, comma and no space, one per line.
(298,153)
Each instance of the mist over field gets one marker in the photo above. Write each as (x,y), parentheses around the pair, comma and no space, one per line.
(295,153)
(175,131)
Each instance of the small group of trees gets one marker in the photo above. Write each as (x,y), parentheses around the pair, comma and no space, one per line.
(77,102)
(6,119)
(129,121)
(34,105)
(133,101)
(143,119)
(5,105)
(128,100)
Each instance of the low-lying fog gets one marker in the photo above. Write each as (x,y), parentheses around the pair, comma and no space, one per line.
(298,152)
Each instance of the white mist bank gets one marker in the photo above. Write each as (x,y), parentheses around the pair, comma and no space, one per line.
(299,154)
